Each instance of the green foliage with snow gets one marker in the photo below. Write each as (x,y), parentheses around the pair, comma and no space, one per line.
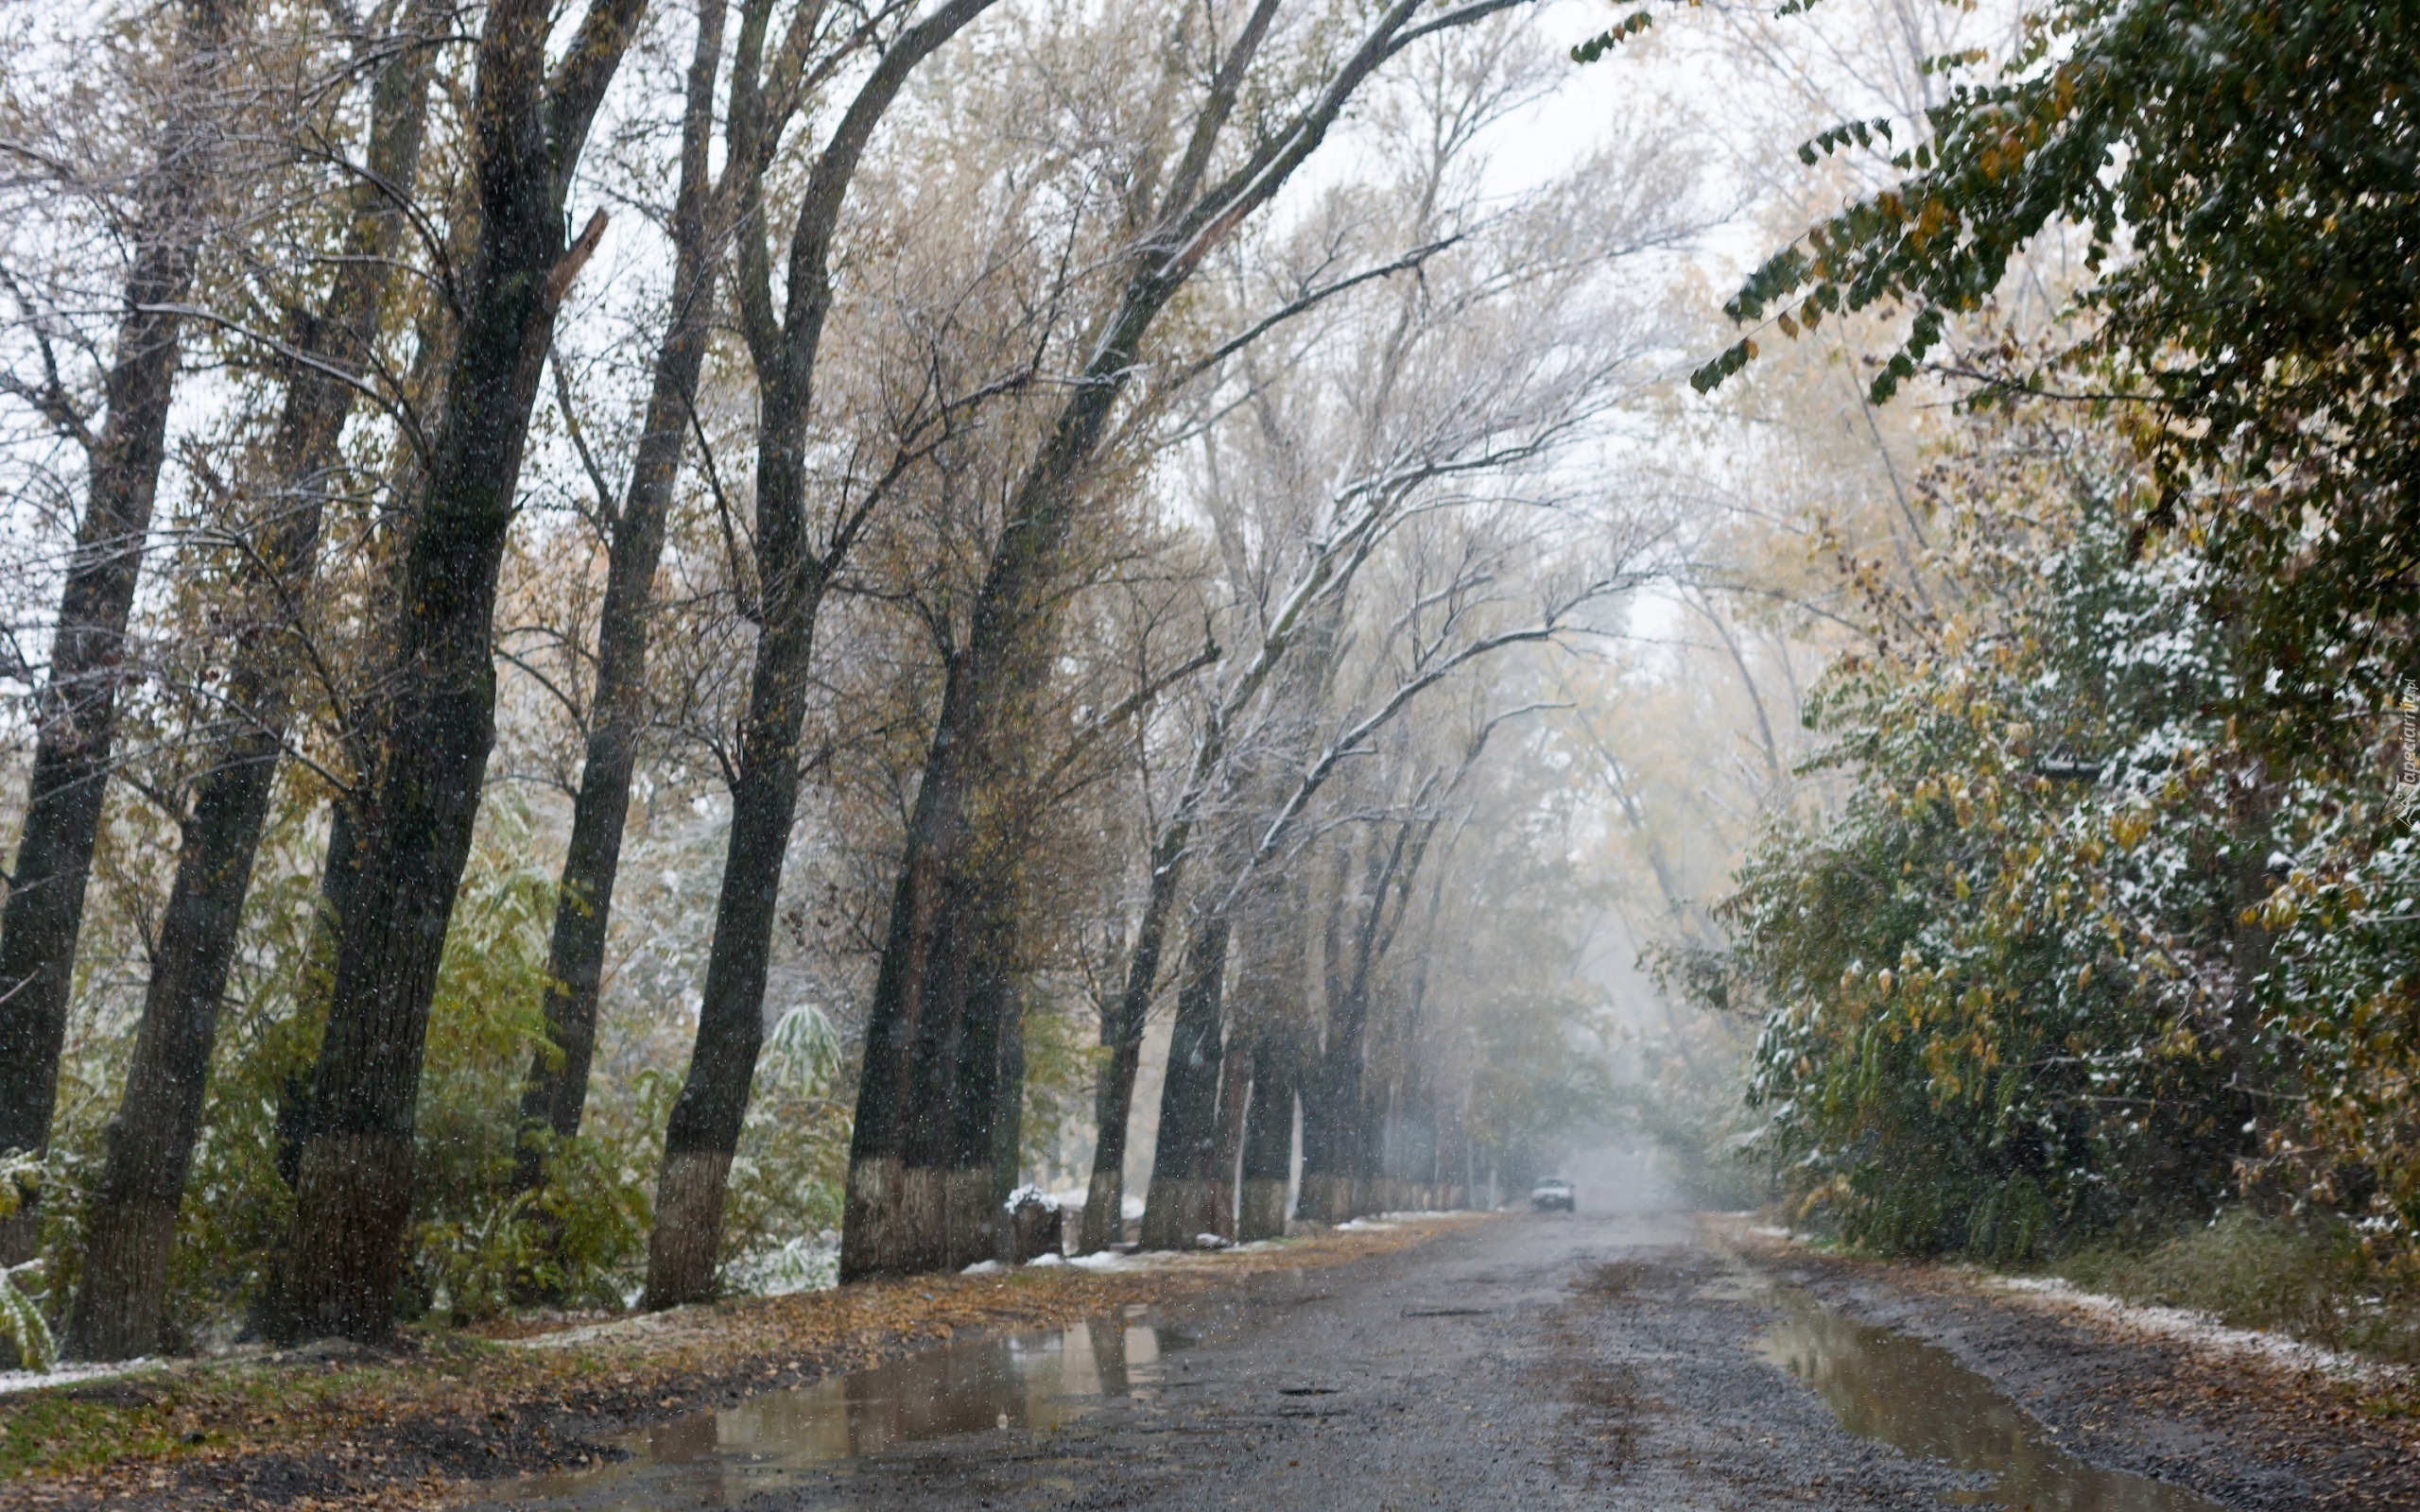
(2028,984)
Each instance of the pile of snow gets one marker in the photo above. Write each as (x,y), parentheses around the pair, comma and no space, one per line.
(984,1268)
(1029,1193)
(806,1263)
(1363,1226)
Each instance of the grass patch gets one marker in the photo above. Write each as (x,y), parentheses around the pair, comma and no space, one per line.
(2311,1280)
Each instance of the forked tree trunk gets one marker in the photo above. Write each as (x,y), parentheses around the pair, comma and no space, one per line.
(437,723)
(77,717)
(703,1133)
(120,1302)
(1178,1206)
(555,1093)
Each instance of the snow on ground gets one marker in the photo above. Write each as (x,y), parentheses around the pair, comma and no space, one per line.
(2198,1330)
(28,1380)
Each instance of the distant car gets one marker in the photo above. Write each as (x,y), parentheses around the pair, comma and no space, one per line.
(1553,1194)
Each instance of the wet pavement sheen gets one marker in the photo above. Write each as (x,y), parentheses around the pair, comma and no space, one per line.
(1607,1360)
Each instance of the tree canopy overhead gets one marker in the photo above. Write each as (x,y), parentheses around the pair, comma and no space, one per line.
(2242,173)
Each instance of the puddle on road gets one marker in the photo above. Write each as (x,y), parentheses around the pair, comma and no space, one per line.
(1916,1397)
(721,1458)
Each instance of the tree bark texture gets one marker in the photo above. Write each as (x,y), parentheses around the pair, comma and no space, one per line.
(1183,1170)
(1113,1105)
(1226,1157)
(1008,1129)
(118,1307)
(1332,1098)
(437,723)
(1275,988)
(555,1093)
(1269,1137)
(76,719)
(703,1132)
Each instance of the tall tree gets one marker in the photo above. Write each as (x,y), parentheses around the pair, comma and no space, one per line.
(436,725)
(77,711)
(793,572)
(133,1219)
(555,1093)
(908,1206)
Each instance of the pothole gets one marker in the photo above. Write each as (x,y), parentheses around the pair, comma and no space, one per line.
(721,1457)
(1916,1397)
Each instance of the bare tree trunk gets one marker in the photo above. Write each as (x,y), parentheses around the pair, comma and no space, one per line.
(1178,1203)
(979,1096)
(438,724)
(1333,1085)
(1234,1098)
(78,714)
(1269,1135)
(1008,1127)
(555,1093)
(703,1133)
(118,1306)
(1113,1105)
(1276,979)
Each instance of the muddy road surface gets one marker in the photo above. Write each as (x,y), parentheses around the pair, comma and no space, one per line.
(1622,1358)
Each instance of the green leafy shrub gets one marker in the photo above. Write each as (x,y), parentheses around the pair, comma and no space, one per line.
(2010,988)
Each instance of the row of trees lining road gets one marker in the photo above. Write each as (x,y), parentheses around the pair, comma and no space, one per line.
(872,553)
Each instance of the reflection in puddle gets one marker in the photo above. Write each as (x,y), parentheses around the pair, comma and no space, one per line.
(719,1458)
(1916,1397)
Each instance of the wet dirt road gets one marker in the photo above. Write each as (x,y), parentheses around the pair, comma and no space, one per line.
(1621,1359)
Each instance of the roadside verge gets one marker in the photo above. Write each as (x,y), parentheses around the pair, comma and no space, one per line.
(2256,1420)
(336,1425)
